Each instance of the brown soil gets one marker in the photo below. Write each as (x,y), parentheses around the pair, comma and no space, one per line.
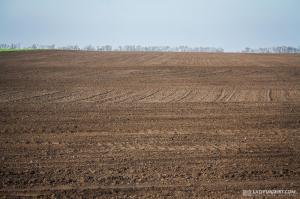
(148,125)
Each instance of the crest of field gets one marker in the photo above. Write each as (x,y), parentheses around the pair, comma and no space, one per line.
(148,95)
(137,78)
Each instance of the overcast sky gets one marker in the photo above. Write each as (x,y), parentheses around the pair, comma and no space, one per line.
(231,24)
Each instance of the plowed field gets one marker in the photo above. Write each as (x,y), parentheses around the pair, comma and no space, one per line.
(148,125)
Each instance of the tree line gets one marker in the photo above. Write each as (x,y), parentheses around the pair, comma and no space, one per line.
(182,48)
(276,49)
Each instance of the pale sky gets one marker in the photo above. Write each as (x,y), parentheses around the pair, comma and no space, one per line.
(231,24)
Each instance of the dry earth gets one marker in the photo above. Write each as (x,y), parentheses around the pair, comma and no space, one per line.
(148,125)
